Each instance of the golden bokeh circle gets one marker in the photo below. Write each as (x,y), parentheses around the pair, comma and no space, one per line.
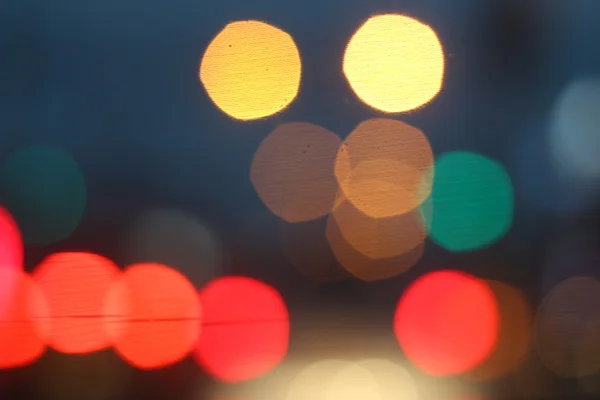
(251,70)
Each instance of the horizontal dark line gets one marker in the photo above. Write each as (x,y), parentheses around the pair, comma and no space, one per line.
(116,319)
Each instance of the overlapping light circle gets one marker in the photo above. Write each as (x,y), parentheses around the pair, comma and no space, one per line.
(75,285)
(292,171)
(382,237)
(149,313)
(514,335)
(364,267)
(22,336)
(384,167)
(152,315)
(338,379)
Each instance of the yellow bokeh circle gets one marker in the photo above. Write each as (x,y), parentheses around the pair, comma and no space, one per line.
(251,70)
(394,63)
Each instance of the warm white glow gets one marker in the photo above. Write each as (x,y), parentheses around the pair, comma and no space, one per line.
(394,63)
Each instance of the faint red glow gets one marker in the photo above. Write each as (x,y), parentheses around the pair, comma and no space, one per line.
(447,322)
(22,339)
(292,171)
(75,285)
(152,315)
(11,254)
(246,329)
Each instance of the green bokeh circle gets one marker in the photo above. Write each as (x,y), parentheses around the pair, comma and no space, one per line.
(473,202)
(45,191)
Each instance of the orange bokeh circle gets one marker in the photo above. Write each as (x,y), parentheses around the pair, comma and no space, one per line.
(514,336)
(364,267)
(384,167)
(380,237)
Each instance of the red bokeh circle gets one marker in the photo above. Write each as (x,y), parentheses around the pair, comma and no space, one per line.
(11,255)
(447,322)
(152,316)
(246,329)
(11,244)
(75,286)
(22,337)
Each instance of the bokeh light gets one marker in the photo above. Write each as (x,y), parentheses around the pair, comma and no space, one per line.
(473,201)
(246,329)
(152,315)
(292,171)
(366,379)
(364,267)
(251,70)
(384,167)
(574,138)
(11,254)
(353,382)
(514,335)
(393,381)
(394,63)
(568,326)
(174,238)
(75,286)
(382,237)
(45,191)
(447,322)
(313,380)
(22,337)
(11,245)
